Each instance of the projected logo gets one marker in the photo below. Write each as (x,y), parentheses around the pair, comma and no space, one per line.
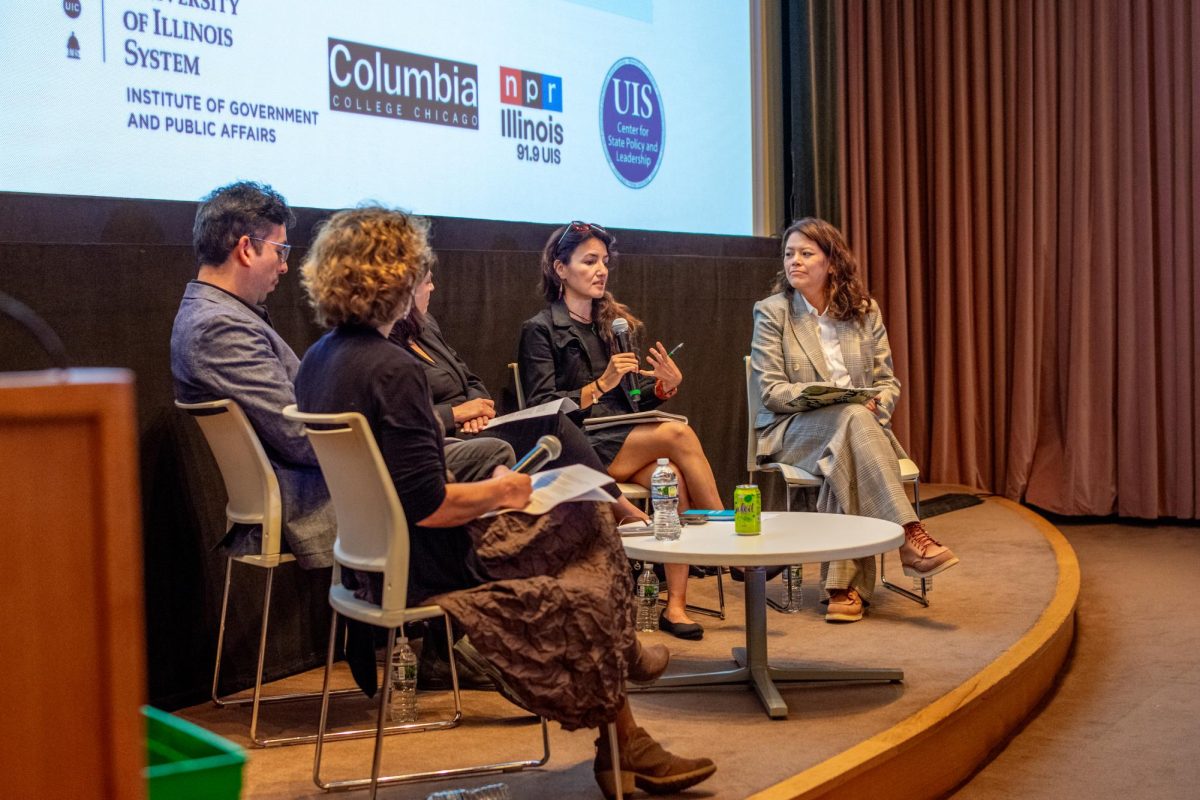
(371,80)
(539,137)
(632,128)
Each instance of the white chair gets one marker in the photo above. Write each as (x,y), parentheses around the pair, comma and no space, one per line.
(638,495)
(796,478)
(372,536)
(253,492)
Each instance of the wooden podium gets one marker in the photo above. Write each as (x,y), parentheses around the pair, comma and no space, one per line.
(73,666)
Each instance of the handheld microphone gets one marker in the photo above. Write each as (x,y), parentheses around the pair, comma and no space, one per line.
(620,329)
(546,450)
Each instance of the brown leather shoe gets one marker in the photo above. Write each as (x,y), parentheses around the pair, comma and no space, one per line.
(645,763)
(845,605)
(921,555)
(648,663)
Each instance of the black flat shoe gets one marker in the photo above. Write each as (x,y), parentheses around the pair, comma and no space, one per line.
(680,630)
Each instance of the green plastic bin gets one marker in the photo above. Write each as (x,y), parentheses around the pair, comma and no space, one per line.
(186,762)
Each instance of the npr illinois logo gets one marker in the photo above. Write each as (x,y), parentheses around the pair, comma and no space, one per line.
(530,100)
(519,87)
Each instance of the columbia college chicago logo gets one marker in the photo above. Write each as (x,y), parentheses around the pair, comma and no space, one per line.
(373,80)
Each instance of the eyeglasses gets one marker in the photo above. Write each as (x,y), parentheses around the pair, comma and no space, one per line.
(282,252)
(580,227)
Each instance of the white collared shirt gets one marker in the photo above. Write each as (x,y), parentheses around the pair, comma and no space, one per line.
(830,346)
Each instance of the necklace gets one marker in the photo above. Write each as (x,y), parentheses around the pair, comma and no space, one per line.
(580,317)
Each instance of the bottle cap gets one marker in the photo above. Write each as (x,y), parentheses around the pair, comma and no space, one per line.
(662,462)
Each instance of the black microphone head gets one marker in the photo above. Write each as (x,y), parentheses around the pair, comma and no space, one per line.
(620,326)
(552,444)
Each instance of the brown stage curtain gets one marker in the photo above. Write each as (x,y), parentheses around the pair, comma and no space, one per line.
(1021,181)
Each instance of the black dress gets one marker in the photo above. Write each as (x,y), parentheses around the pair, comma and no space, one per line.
(548,599)
(559,356)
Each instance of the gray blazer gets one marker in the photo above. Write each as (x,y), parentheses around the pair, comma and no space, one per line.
(786,356)
(220,348)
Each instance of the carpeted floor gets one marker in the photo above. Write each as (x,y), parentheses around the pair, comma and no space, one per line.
(979,608)
(1124,721)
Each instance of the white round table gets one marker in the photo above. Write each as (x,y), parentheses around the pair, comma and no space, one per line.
(786,538)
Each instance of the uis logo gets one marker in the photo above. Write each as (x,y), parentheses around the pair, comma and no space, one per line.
(632,126)
(533,92)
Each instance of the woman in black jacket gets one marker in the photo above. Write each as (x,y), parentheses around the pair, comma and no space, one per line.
(568,350)
(463,405)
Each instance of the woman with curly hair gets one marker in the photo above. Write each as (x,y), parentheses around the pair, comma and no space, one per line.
(568,350)
(822,328)
(546,600)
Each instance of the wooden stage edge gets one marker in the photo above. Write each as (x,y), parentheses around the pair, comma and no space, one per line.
(936,749)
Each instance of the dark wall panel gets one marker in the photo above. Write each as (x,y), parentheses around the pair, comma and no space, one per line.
(107,276)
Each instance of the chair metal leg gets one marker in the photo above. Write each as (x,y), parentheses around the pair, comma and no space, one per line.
(376,780)
(217,701)
(614,752)
(385,700)
(262,652)
(256,698)
(320,739)
(923,597)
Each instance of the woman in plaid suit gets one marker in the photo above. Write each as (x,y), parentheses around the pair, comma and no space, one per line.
(822,328)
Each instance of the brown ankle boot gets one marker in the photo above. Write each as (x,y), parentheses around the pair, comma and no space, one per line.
(645,763)
(648,663)
(921,555)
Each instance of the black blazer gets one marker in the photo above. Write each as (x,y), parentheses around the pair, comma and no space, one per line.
(555,363)
(451,382)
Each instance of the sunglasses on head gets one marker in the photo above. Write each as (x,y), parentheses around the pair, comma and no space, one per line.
(580,227)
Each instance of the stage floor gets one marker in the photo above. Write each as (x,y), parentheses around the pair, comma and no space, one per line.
(979,610)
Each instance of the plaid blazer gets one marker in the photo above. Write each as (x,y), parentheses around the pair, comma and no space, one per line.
(786,356)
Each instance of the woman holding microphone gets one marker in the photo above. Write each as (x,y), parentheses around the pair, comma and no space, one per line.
(569,350)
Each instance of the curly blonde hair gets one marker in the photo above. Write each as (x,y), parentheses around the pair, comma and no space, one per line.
(364,266)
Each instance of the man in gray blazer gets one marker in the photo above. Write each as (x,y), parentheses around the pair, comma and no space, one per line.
(223,346)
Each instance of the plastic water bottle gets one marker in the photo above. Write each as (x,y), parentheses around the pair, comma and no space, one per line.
(403,707)
(793,580)
(664,494)
(647,600)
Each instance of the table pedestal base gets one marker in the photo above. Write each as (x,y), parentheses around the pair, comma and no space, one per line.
(754,667)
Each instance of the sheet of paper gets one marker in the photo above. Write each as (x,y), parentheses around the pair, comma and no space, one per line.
(793,473)
(574,482)
(564,404)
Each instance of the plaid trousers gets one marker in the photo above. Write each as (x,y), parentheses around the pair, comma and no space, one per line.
(860,462)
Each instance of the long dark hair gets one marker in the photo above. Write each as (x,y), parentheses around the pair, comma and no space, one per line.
(848,297)
(408,328)
(559,247)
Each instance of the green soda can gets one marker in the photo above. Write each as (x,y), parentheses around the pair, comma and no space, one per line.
(747,509)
